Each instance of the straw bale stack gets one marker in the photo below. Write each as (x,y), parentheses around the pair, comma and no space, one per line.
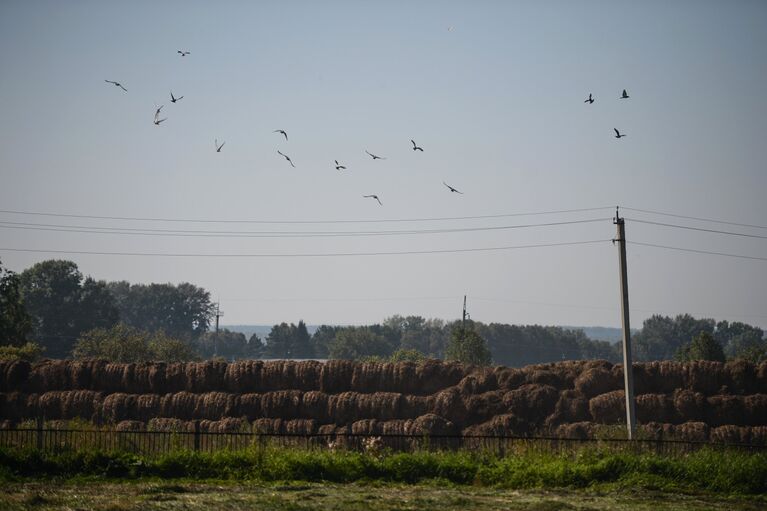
(609,408)
(598,380)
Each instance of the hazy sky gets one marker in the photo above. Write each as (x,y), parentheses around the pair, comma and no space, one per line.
(493,92)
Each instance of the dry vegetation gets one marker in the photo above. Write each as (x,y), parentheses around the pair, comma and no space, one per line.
(695,401)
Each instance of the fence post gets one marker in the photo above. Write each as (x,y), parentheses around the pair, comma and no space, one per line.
(196,435)
(40,433)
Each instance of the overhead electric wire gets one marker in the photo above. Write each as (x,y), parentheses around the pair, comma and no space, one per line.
(701,219)
(701,229)
(270,234)
(230,221)
(708,252)
(326,254)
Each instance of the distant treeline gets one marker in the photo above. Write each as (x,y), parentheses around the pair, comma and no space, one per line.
(54,305)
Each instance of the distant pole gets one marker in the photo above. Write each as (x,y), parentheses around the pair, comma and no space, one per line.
(628,373)
(219,313)
(463,321)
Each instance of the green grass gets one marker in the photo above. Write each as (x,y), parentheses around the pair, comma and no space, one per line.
(714,471)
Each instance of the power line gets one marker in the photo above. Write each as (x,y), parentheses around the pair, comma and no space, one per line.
(698,229)
(661,213)
(229,221)
(326,254)
(270,234)
(681,249)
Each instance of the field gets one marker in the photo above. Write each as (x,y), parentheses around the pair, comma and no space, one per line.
(299,479)
(99,496)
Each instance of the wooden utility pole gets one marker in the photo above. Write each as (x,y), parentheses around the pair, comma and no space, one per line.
(628,373)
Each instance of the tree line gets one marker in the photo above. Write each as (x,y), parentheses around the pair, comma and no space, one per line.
(67,314)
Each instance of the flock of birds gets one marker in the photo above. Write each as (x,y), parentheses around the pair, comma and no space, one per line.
(625,95)
(173,99)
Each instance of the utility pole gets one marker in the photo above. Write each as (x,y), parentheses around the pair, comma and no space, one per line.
(219,313)
(465,315)
(628,373)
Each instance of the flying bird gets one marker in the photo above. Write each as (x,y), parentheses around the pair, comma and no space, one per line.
(618,134)
(173,99)
(373,197)
(451,188)
(415,147)
(183,53)
(218,147)
(625,95)
(157,113)
(116,84)
(374,156)
(339,166)
(283,132)
(158,121)
(590,100)
(287,158)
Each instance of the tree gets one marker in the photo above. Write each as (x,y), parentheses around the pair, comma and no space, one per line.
(701,347)
(468,347)
(322,338)
(662,336)
(354,343)
(407,355)
(125,344)
(183,311)
(15,321)
(738,337)
(228,345)
(62,306)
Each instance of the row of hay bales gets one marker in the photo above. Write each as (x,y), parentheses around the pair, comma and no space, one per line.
(534,407)
(587,378)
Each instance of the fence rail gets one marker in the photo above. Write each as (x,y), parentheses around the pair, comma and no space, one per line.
(161,442)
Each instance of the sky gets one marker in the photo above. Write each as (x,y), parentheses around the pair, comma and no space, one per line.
(492,91)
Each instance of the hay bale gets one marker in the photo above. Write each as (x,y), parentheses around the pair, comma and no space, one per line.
(326,430)
(299,427)
(70,404)
(730,434)
(180,405)
(267,426)
(501,425)
(569,408)
(415,406)
(215,405)
(509,378)
(119,406)
(205,376)
(307,375)
(689,406)
(49,375)
(654,408)
(431,424)
(482,407)
(532,402)
(434,375)
(380,405)
(394,427)
(225,425)
(742,376)
(755,410)
(366,427)
(705,376)
(148,406)
(659,377)
(478,382)
(169,425)
(725,410)
(249,406)
(692,431)
(656,431)
(244,377)
(13,375)
(758,435)
(129,425)
(314,405)
(577,430)
(336,376)
(449,404)
(285,404)
(546,377)
(595,381)
(609,408)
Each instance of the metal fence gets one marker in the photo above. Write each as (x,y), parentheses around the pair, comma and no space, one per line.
(161,442)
